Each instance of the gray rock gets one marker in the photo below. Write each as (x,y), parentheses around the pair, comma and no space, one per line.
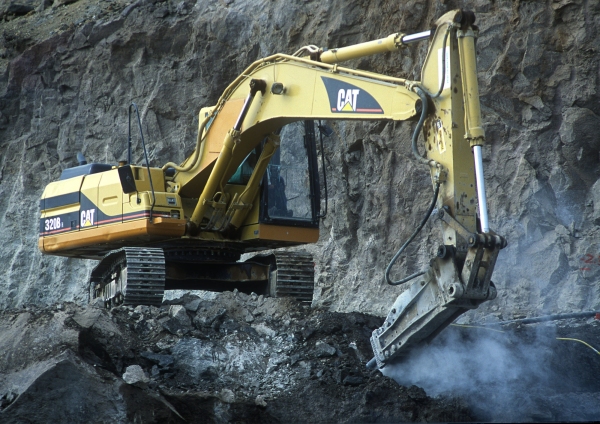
(161,12)
(17,7)
(196,359)
(135,375)
(595,195)
(227,396)
(324,350)
(229,326)
(193,304)
(242,296)
(63,2)
(540,111)
(214,320)
(165,362)
(260,401)
(59,390)
(177,320)
(97,303)
(274,362)
(56,368)
(125,12)
(178,312)
(264,330)
(200,321)
(353,380)
(97,319)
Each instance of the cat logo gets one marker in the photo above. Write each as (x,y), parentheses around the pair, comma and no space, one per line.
(87,218)
(348,98)
(346,101)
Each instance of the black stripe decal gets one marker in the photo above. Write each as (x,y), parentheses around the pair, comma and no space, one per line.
(60,200)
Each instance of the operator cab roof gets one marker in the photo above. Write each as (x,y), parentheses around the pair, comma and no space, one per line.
(87,169)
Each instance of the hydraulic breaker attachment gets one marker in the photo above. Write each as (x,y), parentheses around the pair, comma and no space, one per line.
(459,279)
(450,287)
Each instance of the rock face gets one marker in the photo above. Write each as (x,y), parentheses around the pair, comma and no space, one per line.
(290,364)
(69,71)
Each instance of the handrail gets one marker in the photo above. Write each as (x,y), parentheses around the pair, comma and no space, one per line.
(145,153)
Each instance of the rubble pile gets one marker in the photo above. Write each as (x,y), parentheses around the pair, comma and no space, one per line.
(226,358)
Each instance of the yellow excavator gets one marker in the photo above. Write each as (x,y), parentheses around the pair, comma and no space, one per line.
(252,184)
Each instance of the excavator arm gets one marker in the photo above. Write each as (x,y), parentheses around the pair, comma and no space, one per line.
(281,89)
(459,278)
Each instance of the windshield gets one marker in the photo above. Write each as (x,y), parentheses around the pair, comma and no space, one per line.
(288,178)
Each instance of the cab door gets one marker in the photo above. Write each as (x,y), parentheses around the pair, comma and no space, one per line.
(290,192)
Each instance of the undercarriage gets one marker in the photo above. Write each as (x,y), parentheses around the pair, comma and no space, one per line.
(140,275)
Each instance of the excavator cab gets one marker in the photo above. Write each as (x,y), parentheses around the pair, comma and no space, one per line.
(289,192)
(290,185)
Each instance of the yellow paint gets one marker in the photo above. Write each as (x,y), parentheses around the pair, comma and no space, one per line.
(280,233)
(199,188)
(57,188)
(118,235)
(445,131)
(193,181)
(57,211)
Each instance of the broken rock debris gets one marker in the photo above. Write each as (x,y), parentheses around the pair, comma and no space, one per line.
(195,358)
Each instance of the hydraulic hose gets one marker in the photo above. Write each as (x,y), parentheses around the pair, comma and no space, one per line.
(323,215)
(545,318)
(555,317)
(372,363)
(580,341)
(134,105)
(196,155)
(415,150)
(476,326)
(405,245)
(415,136)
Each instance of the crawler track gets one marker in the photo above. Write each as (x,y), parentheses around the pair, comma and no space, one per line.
(130,276)
(137,276)
(295,276)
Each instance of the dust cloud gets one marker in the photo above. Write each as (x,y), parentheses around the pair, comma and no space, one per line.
(501,375)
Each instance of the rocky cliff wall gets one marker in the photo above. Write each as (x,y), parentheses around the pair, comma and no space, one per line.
(68,72)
